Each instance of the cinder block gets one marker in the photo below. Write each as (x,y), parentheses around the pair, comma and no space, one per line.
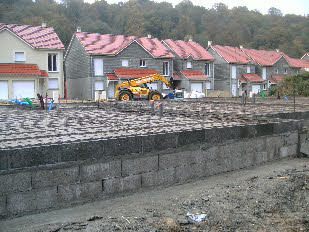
(66,152)
(191,137)
(100,171)
(288,151)
(273,144)
(305,148)
(207,154)
(89,150)
(189,172)
(128,145)
(264,129)
(79,192)
(161,177)
(139,165)
(55,177)
(3,205)
(116,185)
(29,157)
(261,157)
(177,159)
(3,159)
(165,141)
(16,182)
(32,200)
(148,143)
(291,138)
(285,126)
(221,134)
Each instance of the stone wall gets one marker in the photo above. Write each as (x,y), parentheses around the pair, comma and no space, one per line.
(42,178)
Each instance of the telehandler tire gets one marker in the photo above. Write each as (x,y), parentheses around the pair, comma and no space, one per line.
(155,95)
(125,96)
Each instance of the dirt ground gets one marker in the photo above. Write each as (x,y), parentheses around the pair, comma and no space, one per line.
(272,197)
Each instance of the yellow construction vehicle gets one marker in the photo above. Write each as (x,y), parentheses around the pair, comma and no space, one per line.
(138,87)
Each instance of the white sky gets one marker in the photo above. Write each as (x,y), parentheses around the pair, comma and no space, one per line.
(299,7)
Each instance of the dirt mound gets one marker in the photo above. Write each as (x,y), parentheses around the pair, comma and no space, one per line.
(220,94)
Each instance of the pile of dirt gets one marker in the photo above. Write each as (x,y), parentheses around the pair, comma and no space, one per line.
(219,93)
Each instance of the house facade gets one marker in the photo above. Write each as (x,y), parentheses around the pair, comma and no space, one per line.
(31,61)
(99,62)
(230,66)
(193,66)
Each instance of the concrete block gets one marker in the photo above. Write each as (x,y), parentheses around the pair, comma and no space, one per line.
(3,159)
(165,141)
(100,171)
(122,145)
(29,157)
(191,137)
(148,143)
(109,147)
(15,182)
(89,150)
(285,126)
(66,152)
(55,177)
(79,192)
(32,200)
(3,205)
(291,138)
(207,154)
(304,148)
(288,151)
(189,172)
(248,131)
(261,157)
(264,129)
(177,159)
(139,165)
(273,144)
(161,177)
(117,185)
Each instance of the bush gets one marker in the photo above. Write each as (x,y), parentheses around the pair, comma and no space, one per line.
(298,83)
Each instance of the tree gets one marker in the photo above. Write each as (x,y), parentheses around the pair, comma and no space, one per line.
(274,11)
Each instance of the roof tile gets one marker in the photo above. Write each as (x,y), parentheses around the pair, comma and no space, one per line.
(111,76)
(194,75)
(253,78)
(278,78)
(133,73)
(232,54)
(20,69)
(242,80)
(176,76)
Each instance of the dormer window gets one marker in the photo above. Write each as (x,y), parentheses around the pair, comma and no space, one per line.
(19,56)
(142,63)
(248,69)
(277,71)
(125,63)
(285,71)
(52,63)
(189,64)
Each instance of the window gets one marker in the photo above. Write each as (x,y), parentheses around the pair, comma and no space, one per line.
(277,71)
(234,71)
(207,69)
(53,84)
(19,56)
(166,71)
(142,63)
(98,85)
(98,66)
(189,64)
(248,69)
(285,71)
(208,85)
(264,73)
(264,86)
(52,62)
(125,63)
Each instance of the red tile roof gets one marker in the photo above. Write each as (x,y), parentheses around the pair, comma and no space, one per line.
(272,81)
(194,75)
(242,80)
(133,73)
(176,76)
(107,44)
(232,54)
(253,78)
(44,73)
(186,49)
(278,78)
(297,63)
(37,37)
(20,69)
(264,58)
(111,77)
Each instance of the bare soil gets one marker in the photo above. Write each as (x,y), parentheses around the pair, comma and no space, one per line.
(272,197)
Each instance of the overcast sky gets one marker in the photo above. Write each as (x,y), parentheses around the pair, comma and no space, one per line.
(299,7)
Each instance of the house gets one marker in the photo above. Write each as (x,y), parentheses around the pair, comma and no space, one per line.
(231,66)
(193,66)
(30,62)
(97,63)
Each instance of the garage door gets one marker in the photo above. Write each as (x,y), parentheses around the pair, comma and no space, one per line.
(198,87)
(153,86)
(256,88)
(23,89)
(4,90)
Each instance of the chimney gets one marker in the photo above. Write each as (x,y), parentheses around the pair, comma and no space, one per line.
(149,36)
(44,24)
(79,29)
(277,50)
(190,39)
(241,47)
(209,43)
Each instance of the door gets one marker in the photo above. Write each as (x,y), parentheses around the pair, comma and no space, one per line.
(153,86)
(197,86)
(4,93)
(234,89)
(111,90)
(256,89)
(23,89)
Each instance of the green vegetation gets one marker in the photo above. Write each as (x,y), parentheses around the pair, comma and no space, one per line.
(234,27)
(299,83)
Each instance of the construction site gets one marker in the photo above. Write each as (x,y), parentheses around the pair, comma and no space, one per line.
(160,166)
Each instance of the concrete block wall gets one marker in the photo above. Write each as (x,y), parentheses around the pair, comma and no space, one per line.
(117,166)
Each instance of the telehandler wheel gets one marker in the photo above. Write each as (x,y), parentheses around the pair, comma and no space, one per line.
(155,95)
(125,96)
